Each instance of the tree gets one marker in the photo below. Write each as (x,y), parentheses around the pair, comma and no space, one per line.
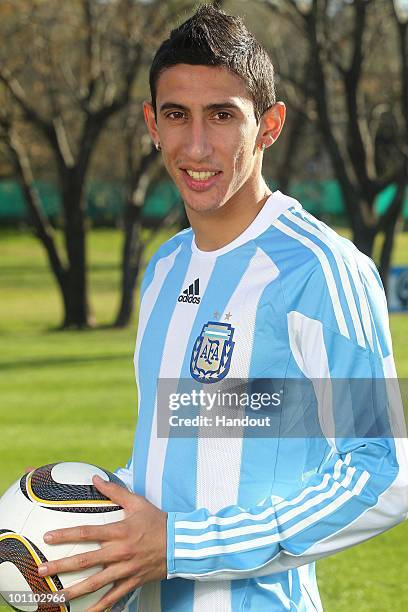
(67,70)
(143,167)
(354,106)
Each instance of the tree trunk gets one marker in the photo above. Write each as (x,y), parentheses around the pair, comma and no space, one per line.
(131,263)
(388,223)
(42,227)
(386,252)
(285,167)
(138,181)
(363,238)
(133,251)
(77,313)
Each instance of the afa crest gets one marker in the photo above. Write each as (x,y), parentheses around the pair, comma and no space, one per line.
(211,357)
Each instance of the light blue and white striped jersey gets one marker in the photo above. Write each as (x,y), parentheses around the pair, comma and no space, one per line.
(249,516)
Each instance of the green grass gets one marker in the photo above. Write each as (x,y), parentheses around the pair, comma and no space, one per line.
(72,395)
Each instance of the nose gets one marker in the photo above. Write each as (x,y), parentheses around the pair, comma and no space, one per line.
(198,144)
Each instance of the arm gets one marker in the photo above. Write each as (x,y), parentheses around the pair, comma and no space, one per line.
(360,491)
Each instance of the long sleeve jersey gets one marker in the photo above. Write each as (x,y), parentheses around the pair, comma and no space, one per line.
(248,516)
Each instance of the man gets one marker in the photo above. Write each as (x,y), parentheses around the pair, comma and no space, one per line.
(255,289)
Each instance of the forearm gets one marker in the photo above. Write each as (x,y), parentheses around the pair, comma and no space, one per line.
(357,496)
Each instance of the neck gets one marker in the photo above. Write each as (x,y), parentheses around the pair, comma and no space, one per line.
(217,228)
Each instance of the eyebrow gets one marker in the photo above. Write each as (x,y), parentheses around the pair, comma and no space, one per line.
(208,107)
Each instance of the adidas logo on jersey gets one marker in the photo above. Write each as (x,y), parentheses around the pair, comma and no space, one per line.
(191,294)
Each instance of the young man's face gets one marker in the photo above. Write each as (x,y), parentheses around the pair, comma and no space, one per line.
(206,124)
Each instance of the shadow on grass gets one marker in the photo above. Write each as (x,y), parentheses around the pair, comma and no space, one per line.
(57,361)
(93,327)
(59,329)
(41,269)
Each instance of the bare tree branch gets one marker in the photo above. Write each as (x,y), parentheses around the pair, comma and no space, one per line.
(351,78)
(22,166)
(281,10)
(90,42)
(46,127)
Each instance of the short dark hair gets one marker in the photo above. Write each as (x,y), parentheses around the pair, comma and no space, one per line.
(212,38)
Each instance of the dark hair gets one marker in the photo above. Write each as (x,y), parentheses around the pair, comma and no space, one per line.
(212,38)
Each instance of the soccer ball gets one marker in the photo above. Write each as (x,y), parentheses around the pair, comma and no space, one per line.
(54,496)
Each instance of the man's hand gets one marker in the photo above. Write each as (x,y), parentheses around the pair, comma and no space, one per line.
(134,551)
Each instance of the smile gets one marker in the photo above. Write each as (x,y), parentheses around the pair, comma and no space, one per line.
(202,180)
(200,176)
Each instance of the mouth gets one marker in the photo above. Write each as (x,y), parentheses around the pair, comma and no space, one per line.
(200,180)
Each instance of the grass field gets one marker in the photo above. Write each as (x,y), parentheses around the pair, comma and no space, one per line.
(71,395)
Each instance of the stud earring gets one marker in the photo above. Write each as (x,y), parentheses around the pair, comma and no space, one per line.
(158,146)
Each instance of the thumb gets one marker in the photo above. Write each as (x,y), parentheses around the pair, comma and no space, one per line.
(116,493)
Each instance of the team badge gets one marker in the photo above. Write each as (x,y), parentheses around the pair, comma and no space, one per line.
(211,357)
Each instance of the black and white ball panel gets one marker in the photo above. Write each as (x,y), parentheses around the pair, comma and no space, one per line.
(54,496)
(67,487)
(19,560)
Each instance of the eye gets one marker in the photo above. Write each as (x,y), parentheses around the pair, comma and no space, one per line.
(175,115)
(223,115)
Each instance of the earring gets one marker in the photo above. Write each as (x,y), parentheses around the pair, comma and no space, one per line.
(158,146)
(263,147)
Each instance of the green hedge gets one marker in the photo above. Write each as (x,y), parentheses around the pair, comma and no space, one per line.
(105,200)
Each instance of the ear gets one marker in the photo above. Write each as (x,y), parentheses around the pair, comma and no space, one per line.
(150,120)
(271,124)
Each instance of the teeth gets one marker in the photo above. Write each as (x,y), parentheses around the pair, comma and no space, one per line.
(200,176)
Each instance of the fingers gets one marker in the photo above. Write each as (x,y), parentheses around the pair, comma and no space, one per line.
(86,533)
(121,588)
(81,561)
(116,493)
(97,581)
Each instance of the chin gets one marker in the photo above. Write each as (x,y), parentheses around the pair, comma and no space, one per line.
(202,206)
(202,202)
